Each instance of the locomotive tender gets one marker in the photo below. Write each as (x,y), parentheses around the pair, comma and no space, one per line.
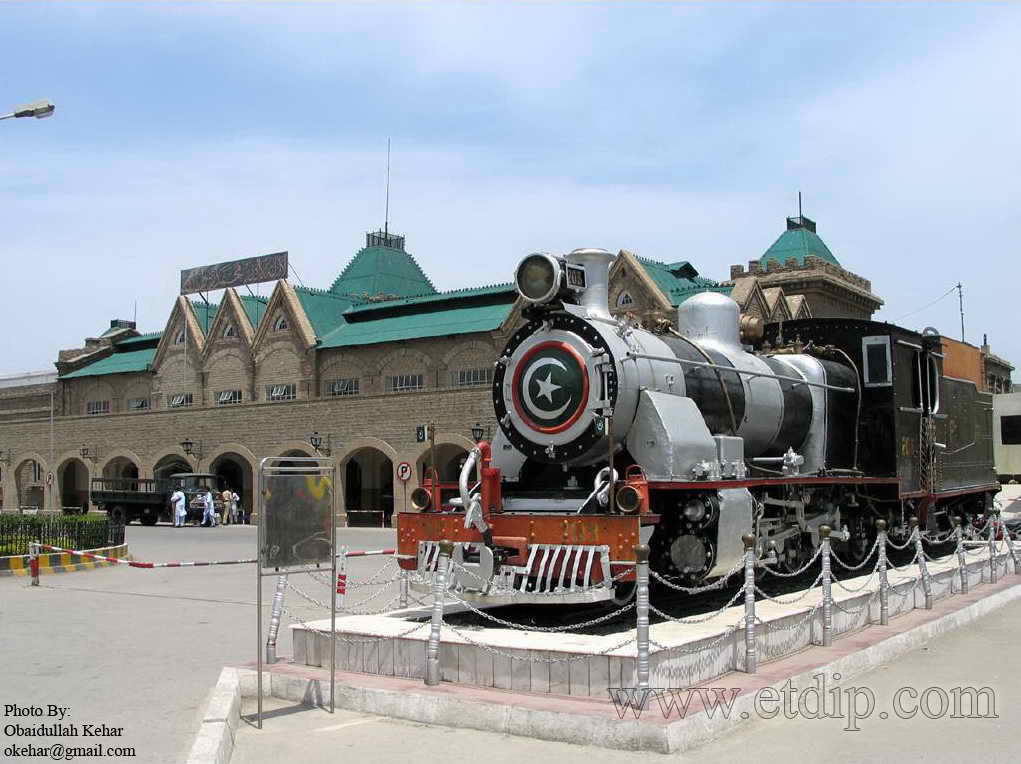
(612,435)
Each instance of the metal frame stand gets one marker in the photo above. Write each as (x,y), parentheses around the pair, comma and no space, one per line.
(311,467)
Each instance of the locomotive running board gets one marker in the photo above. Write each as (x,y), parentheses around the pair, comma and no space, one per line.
(553,574)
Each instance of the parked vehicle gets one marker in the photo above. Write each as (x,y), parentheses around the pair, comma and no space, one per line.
(148,500)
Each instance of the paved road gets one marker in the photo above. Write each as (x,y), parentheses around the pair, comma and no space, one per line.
(141,648)
(982,655)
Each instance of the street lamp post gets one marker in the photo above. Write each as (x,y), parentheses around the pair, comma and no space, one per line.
(316,441)
(38,109)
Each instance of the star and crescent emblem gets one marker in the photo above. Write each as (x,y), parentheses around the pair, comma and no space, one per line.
(551,387)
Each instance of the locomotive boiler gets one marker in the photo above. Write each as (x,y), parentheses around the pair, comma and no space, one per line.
(613,434)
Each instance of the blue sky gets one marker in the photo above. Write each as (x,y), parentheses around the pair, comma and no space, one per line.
(198,132)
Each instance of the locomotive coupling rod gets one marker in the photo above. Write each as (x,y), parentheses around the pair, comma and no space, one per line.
(706,365)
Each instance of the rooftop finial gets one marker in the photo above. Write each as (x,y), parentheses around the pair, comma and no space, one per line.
(386,215)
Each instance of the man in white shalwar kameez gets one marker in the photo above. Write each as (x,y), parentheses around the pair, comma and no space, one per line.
(178,502)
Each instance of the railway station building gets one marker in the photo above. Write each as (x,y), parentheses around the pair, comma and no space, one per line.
(357,366)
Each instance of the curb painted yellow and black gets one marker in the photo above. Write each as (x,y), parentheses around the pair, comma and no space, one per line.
(62,562)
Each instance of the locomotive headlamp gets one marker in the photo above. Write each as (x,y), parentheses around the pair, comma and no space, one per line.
(694,510)
(539,277)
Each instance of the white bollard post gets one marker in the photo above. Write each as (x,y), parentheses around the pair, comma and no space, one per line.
(884,581)
(827,590)
(751,656)
(642,613)
(432,649)
(922,567)
(962,560)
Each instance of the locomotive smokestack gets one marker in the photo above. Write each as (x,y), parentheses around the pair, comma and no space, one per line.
(594,297)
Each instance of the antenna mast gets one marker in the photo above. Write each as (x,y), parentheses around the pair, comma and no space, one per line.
(799,206)
(960,302)
(386,217)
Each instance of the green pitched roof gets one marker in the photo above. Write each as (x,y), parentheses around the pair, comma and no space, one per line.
(142,340)
(429,320)
(452,295)
(324,309)
(799,241)
(679,281)
(255,308)
(118,363)
(205,315)
(382,271)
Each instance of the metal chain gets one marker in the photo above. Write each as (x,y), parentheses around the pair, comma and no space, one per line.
(718,584)
(346,608)
(858,610)
(371,581)
(688,650)
(911,539)
(535,658)
(547,629)
(799,571)
(875,545)
(786,643)
(852,589)
(338,637)
(696,619)
(938,539)
(793,600)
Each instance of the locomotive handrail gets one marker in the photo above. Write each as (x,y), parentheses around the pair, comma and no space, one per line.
(703,364)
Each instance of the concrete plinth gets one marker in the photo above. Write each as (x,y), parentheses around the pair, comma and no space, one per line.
(682,655)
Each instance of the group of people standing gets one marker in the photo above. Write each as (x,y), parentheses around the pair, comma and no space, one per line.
(230,512)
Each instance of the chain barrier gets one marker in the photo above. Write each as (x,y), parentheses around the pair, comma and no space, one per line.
(545,629)
(856,589)
(804,593)
(704,618)
(371,581)
(858,610)
(720,583)
(296,619)
(905,545)
(852,568)
(536,658)
(799,571)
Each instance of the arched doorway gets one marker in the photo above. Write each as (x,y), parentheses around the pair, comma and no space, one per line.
(121,467)
(298,455)
(235,473)
(29,477)
(73,484)
(170,465)
(368,487)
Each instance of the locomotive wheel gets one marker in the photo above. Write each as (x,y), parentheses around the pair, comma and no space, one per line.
(117,514)
(149,516)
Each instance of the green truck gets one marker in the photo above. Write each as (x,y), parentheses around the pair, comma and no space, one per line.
(148,500)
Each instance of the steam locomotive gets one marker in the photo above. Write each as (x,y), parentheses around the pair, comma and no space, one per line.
(613,435)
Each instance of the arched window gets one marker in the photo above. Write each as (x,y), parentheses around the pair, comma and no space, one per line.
(624,300)
(179,337)
(280,323)
(230,330)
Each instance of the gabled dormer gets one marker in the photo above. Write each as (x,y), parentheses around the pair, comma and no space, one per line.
(178,359)
(231,327)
